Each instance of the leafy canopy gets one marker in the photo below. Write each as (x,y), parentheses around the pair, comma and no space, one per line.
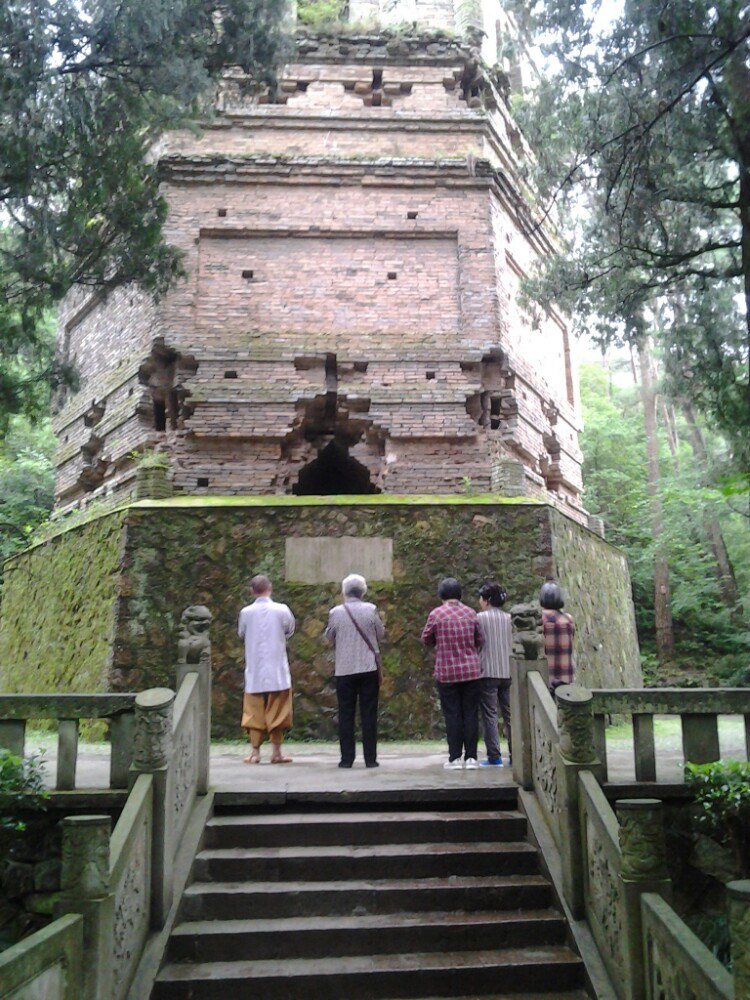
(642,129)
(86,88)
(711,644)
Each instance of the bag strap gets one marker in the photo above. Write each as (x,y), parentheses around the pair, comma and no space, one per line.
(364,638)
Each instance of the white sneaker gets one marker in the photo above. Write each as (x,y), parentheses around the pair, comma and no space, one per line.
(471,764)
(453,765)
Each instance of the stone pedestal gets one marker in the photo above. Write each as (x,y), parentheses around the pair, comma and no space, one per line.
(85,889)
(574,753)
(152,753)
(644,869)
(520,717)
(738,894)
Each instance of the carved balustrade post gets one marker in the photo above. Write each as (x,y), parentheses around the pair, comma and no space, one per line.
(739,928)
(85,889)
(520,717)
(194,655)
(643,869)
(528,646)
(152,754)
(574,753)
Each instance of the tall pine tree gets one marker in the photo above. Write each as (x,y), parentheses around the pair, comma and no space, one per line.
(86,86)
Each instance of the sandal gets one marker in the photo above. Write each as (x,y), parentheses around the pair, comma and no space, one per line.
(281,759)
(254,758)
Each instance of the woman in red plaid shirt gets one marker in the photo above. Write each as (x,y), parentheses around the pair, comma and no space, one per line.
(453,629)
(559,630)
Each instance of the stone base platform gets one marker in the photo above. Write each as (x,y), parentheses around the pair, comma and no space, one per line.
(96,606)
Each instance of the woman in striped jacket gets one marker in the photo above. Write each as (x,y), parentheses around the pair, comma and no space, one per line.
(495,626)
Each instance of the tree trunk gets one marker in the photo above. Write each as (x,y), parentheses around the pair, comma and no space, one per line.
(662,602)
(724,569)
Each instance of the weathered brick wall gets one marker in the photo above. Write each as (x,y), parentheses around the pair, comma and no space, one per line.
(353,255)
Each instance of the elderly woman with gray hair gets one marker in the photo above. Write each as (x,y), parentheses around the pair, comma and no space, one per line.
(355,629)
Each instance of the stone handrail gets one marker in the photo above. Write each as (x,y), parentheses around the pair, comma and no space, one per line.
(48,963)
(117,885)
(676,959)
(68,710)
(188,752)
(698,709)
(544,738)
(130,883)
(613,866)
(602,885)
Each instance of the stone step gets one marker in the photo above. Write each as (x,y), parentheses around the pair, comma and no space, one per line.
(555,995)
(247,900)
(311,937)
(300,829)
(236,864)
(445,974)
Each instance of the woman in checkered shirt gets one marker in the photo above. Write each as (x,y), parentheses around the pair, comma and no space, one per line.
(453,628)
(559,630)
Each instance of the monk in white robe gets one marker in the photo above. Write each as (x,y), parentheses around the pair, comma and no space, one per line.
(267,703)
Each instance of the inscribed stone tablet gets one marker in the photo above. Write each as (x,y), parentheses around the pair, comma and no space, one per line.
(329,560)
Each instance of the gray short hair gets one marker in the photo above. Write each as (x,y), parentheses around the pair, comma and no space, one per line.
(354,585)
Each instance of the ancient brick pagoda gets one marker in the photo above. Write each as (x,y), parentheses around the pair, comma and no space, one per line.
(354,245)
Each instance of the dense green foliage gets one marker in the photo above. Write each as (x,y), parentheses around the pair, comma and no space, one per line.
(27,483)
(713,643)
(641,126)
(21,789)
(315,13)
(722,794)
(86,89)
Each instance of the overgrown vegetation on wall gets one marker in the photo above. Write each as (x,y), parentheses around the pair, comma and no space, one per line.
(316,13)
(206,554)
(58,611)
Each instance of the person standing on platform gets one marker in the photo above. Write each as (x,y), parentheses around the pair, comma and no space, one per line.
(354,630)
(497,634)
(559,630)
(453,628)
(265,627)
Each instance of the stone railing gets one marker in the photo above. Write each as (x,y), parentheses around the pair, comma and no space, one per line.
(698,708)
(68,710)
(613,864)
(48,964)
(120,882)
(544,739)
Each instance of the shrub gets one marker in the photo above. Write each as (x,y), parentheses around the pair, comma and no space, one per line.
(722,794)
(21,789)
(314,13)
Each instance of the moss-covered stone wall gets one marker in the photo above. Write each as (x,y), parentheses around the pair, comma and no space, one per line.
(595,577)
(189,551)
(57,615)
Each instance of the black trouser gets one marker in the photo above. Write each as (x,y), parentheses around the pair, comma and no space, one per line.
(348,689)
(460,704)
(494,692)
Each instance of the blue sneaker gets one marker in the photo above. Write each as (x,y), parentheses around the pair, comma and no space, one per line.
(492,762)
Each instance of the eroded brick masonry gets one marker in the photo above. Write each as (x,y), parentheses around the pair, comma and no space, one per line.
(350,321)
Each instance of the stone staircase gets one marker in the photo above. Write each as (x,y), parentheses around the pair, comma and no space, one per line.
(325,905)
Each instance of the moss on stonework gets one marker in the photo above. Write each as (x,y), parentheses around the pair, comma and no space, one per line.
(180,553)
(58,611)
(344,500)
(98,606)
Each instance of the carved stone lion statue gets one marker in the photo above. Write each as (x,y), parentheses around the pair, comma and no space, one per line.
(194,644)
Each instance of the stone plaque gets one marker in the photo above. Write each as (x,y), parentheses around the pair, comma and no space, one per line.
(329,560)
